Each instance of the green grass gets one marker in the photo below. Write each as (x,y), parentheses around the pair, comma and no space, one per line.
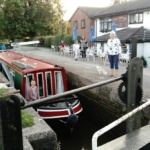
(3,91)
(27,120)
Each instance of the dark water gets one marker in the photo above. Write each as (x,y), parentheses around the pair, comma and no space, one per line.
(81,137)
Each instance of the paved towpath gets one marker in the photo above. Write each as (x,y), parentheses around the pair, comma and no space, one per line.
(83,68)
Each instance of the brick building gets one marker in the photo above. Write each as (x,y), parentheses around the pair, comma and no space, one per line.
(83,19)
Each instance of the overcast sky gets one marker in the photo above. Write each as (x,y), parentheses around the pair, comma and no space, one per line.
(71,5)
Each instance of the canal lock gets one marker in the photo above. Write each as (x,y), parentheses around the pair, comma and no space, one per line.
(97,106)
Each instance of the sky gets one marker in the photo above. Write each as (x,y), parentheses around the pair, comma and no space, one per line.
(70,6)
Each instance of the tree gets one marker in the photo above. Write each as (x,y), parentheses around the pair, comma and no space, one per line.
(118,1)
(67,28)
(29,18)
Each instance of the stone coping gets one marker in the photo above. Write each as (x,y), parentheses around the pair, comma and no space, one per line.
(40,135)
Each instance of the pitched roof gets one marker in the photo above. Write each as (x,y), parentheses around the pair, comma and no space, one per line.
(90,11)
(126,34)
(128,6)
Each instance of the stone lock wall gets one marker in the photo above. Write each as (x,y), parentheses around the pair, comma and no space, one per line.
(40,136)
(101,104)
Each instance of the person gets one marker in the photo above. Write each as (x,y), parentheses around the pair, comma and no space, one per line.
(41,42)
(33,91)
(3,47)
(83,47)
(103,56)
(62,46)
(10,46)
(76,50)
(114,52)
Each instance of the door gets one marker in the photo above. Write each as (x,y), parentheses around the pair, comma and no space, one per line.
(29,77)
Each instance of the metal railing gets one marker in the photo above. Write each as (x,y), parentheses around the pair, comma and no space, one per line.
(54,97)
(115,123)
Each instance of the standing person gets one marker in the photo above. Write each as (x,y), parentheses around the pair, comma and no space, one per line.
(83,47)
(10,42)
(33,92)
(114,52)
(76,49)
(62,46)
(3,47)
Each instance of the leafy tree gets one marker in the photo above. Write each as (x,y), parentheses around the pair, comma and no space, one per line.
(67,28)
(29,18)
(118,1)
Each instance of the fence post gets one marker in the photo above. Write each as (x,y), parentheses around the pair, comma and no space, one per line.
(10,123)
(134,88)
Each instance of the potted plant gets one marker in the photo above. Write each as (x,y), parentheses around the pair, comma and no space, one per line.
(144,61)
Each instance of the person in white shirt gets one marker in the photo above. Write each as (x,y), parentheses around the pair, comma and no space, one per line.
(76,50)
(114,52)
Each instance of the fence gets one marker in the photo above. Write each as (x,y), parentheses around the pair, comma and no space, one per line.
(115,123)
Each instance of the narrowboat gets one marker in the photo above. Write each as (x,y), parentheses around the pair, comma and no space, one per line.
(50,79)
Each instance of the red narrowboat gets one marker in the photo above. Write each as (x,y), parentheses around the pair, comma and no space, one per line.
(50,79)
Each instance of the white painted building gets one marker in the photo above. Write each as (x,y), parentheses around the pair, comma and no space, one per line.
(131,19)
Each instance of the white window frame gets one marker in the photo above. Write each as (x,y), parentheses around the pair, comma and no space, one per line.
(49,72)
(59,90)
(42,84)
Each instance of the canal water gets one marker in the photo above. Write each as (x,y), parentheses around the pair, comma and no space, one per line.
(89,122)
(81,136)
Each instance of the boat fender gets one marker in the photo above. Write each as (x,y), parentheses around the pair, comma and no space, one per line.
(72,120)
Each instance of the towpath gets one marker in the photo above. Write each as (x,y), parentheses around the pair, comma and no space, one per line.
(86,69)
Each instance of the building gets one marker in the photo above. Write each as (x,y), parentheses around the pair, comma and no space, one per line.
(131,18)
(83,19)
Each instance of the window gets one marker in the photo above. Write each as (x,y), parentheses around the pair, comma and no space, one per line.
(82,24)
(40,84)
(136,18)
(76,24)
(59,83)
(29,78)
(105,24)
(48,83)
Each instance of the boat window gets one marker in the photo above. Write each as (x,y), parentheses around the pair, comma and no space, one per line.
(48,83)
(59,82)
(29,77)
(2,70)
(40,84)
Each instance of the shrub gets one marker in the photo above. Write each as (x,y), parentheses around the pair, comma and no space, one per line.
(144,61)
(55,40)
(3,91)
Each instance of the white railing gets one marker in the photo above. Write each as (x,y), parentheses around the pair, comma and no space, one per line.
(115,123)
(24,43)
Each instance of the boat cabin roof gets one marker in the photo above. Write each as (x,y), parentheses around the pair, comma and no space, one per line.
(24,63)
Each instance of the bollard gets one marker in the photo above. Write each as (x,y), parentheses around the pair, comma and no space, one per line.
(10,124)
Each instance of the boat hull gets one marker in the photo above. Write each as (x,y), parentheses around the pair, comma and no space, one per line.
(59,112)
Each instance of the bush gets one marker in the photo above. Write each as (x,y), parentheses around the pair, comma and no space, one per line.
(27,120)
(144,61)
(55,40)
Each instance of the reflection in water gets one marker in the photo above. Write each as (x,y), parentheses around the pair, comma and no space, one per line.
(81,137)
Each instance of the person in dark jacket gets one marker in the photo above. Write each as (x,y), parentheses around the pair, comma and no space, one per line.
(83,47)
